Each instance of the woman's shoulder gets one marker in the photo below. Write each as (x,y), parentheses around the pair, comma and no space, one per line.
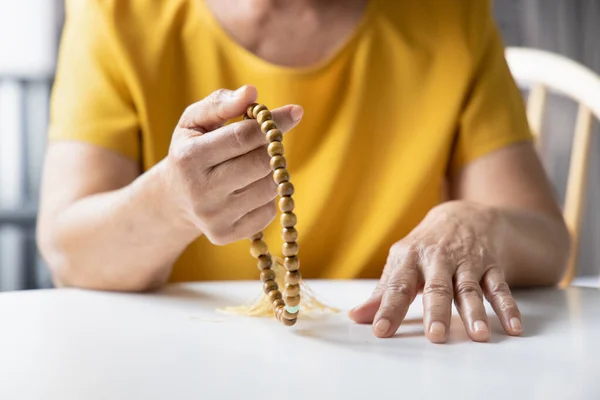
(141,19)
(137,32)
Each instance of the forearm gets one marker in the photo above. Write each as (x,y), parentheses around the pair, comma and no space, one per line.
(125,239)
(532,248)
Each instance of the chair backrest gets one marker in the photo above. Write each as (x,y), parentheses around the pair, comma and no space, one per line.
(542,72)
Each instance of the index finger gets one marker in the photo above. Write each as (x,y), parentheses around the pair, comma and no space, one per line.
(398,294)
(242,137)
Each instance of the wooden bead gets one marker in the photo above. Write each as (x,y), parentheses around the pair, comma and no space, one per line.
(285,189)
(265,262)
(274,295)
(264,116)
(275,149)
(257,236)
(286,204)
(288,220)
(278,162)
(292,290)
(270,285)
(267,126)
(267,275)
(290,249)
(258,248)
(288,234)
(281,175)
(274,135)
(257,109)
(292,301)
(288,315)
(292,278)
(288,322)
(278,303)
(250,110)
(279,313)
(291,263)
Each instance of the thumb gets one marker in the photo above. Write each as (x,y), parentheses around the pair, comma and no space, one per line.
(217,108)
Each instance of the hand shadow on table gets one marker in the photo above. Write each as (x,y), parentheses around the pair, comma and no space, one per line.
(410,337)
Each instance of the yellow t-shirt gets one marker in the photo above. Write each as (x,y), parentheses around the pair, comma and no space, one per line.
(420,88)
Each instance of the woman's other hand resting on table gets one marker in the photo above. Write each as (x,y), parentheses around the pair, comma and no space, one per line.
(504,232)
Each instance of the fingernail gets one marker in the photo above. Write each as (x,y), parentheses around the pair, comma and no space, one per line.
(240,92)
(296,113)
(382,326)
(437,328)
(480,326)
(515,324)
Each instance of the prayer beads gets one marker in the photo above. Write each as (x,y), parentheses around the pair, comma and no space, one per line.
(287,305)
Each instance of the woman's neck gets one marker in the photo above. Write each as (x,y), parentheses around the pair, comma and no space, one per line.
(294,33)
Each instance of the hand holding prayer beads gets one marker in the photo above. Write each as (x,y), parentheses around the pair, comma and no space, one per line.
(287,305)
(216,173)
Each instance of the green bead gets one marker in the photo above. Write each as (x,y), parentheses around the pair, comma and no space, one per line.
(292,310)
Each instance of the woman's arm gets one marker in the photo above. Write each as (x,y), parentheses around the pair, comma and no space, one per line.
(102,226)
(531,239)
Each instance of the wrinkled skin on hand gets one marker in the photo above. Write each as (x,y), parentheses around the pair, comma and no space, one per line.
(451,256)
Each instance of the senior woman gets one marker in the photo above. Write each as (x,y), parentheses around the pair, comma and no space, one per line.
(409,149)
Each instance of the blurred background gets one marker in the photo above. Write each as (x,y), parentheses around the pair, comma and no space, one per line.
(29,39)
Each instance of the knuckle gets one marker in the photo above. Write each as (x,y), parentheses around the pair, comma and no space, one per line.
(216,98)
(187,117)
(220,237)
(428,252)
(400,252)
(182,155)
(389,310)
(218,180)
(189,111)
(400,289)
(218,240)
(216,101)
(500,288)
(437,287)
(507,303)
(209,218)
(468,288)
(238,134)
(400,247)
(211,181)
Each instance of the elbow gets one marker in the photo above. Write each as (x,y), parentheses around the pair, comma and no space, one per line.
(66,274)
(70,270)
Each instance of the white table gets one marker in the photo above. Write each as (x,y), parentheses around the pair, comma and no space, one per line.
(73,344)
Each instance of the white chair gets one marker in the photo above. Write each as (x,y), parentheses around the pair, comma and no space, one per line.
(542,72)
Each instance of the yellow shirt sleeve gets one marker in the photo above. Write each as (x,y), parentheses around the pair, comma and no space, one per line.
(90,100)
(494,114)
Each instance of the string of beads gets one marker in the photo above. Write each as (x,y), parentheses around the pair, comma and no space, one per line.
(287,305)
